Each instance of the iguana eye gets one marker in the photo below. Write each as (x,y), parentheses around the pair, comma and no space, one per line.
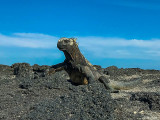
(66,41)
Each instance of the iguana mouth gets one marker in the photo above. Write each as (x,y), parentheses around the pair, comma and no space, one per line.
(62,49)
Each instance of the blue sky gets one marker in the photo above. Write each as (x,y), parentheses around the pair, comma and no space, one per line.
(124,33)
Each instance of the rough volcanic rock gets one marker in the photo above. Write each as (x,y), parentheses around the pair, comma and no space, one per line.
(34,96)
(29,93)
(23,70)
(115,71)
(152,99)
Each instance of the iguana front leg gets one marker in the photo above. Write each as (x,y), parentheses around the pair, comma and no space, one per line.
(56,68)
(87,72)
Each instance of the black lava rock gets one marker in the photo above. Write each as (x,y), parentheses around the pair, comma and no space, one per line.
(152,99)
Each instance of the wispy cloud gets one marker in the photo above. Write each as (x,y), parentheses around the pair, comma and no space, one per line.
(121,48)
(120,42)
(154,52)
(30,40)
(90,46)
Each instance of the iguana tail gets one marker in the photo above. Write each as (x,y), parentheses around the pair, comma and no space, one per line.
(117,85)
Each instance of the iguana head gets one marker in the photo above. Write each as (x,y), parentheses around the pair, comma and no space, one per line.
(71,51)
(66,44)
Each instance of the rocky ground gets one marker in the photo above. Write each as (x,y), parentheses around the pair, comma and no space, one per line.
(28,93)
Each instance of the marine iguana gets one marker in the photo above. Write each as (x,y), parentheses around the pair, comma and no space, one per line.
(81,71)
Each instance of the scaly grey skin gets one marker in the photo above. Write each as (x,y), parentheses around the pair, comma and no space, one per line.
(81,71)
